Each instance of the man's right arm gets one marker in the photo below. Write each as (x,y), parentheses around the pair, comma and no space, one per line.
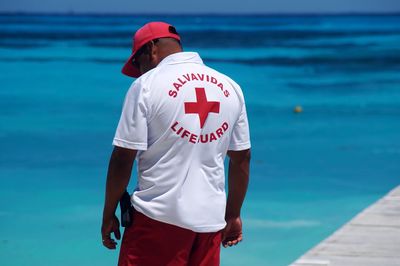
(238,179)
(119,173)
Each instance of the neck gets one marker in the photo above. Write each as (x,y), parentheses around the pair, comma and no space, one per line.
(167,47)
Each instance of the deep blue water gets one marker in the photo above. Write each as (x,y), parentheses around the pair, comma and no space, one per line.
(60,100)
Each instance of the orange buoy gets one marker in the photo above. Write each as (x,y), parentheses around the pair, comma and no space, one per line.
(298,109)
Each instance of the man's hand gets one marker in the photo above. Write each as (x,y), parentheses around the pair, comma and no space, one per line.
(109,226)
(232,233)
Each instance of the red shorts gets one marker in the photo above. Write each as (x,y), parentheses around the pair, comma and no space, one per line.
(148,242)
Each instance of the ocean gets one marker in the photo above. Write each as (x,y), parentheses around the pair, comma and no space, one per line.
(62,92)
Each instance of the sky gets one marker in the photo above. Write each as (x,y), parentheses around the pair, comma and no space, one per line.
(201,6)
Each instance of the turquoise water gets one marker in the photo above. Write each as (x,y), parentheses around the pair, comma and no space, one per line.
(61,96)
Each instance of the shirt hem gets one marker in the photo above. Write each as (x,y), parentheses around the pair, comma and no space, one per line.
(197,229)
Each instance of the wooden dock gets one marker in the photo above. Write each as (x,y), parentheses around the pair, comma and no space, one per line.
(372,238)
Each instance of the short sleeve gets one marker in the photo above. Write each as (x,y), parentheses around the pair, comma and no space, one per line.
(240,139)
(131,132)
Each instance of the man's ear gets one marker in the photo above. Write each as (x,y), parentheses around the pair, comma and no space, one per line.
(153,51)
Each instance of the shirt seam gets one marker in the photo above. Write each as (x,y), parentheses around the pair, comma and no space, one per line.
(141,144)
(240,145)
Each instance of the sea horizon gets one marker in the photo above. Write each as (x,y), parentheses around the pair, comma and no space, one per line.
(220,14)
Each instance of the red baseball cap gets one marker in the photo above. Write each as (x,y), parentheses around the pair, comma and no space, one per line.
(145,34)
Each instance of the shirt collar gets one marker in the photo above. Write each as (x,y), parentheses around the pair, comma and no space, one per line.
(181,57)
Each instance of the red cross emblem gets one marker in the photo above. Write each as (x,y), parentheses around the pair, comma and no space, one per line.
(202,107)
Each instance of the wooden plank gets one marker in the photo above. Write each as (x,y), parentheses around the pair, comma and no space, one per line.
(372,238)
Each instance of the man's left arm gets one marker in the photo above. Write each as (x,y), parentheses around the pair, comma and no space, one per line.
(119,173)
(238,180)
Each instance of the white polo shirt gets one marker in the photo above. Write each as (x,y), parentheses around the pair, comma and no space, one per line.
(182,117)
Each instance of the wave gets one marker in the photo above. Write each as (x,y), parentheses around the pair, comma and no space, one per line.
(272,37)
(232,37)
(323,86)
(43,59)
(319,64)
(329,110)
(291,45)
(367,61)
(22,45)
(201,31)
(262,223)
(193,19)
(4,214)
(64,35)
(126,43)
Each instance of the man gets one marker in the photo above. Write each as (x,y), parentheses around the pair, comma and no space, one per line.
(180,118)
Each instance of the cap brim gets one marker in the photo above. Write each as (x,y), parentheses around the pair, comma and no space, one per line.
(129,69)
